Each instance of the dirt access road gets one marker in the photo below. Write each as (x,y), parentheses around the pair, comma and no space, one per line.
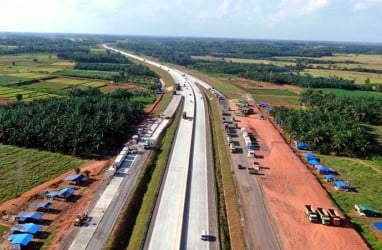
(287,186)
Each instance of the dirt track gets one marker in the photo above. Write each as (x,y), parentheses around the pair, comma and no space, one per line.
(288,185)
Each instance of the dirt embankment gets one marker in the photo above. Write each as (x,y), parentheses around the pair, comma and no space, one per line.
(288,185)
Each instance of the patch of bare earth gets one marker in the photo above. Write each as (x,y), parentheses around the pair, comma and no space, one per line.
(288,185)
(60,217)
(4,101)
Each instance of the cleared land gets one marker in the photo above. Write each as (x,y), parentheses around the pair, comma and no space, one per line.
(358,77)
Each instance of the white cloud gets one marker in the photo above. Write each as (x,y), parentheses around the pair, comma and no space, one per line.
(293,8)
(225,8)
(366,4)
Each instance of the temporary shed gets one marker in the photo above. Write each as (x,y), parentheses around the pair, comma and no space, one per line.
(30,228)
(66,192)
(301,145)
(366,211)
(342,185)
(20,239)
(77,178)
(314,162)
(324,170)
(26,216)
(378,225)
(309,156)
(42,204)
(330,177)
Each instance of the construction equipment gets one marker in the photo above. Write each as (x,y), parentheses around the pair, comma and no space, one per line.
(335,218)
(324,216)
(81,219)
(310,213)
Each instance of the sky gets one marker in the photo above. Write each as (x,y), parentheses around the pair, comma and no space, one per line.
(322,20)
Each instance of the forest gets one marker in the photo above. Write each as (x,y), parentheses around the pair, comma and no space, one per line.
(325,131)
(85,124)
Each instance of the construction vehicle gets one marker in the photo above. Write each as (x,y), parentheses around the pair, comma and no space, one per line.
(310,213)
(253,170)
(335,218)
(324,216)
(81,219)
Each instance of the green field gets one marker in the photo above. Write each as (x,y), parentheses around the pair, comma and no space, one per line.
(358,77)
(342,92)
(366,177)
(22,169)
(6,80)
(244,60)
(28,95)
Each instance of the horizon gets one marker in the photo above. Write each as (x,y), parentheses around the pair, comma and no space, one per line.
(296,20)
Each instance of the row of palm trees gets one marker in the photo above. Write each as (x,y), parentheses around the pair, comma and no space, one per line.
(85,124)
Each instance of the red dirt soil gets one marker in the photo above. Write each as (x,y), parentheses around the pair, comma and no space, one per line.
(288,185)
(64,220)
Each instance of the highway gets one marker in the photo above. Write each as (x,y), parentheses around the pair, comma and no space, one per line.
(186,205)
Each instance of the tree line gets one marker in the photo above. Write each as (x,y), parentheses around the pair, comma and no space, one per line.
(324,130)
(364,109)
(85,124)
(129,69)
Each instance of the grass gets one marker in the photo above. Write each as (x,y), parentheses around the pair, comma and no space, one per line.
(28,95)
(276,100)
(6,80)
(276,92)
(3,230)
(22,169)
(366,177)
(349,93)
(229,219)
(358,77)
(244,60)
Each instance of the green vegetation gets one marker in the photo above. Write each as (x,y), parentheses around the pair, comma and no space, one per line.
(365,108)
(278,92)
(366,177)
(229,219)
(87,123)
(22,169)
(12,80)
(351,93)
(3,230)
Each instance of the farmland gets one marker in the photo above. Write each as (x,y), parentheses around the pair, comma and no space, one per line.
(21,169)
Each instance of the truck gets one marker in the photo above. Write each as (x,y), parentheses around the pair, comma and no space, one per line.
(335,218)
(80,219)
(324,216)
(232,148)
(253,170)
(184,115)
(310,213)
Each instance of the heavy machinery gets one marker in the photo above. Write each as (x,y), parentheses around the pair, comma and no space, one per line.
(335,218)
(324,216)
(81,219)
(310,213)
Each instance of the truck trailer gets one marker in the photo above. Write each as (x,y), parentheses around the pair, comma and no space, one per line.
(324,216)
(335,218)
(310,214)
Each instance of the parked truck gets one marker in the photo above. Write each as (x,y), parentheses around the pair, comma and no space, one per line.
(335,218)
(310,213)
(232,147)
(324,216)
(253,170)
(80,219)
(184,115)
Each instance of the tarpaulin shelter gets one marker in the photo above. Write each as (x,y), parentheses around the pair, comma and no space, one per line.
(42,204)
(77,178)
(330,177)
(378,225)
(313,162)
(24,216)
(309,156)
(366,211)
(342,185)
(301,145)
(21,239)
(63,193)
(324,170)
(30,228)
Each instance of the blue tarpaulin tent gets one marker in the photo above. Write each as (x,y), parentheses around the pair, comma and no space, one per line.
(26,228)
(324,170)
(378,225)
(331,177)
(309,156)
(43,204)
(302,145)
(23,216)
(76,178)
(66,192)
(342,185)
(22,239)
(314,162)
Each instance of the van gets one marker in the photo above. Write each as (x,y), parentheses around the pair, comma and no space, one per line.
(204,236)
